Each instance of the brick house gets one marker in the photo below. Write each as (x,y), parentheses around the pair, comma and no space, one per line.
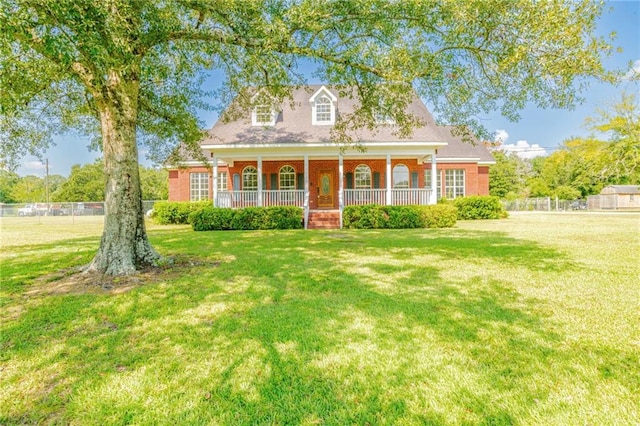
(287,157)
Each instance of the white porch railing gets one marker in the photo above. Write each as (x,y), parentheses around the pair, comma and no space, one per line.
(412,196)
(364,196)
(240,199)
(283,198)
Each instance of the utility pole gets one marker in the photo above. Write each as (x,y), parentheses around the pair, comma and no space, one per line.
(46,180)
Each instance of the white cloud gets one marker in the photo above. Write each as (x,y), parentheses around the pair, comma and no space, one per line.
(634,71)
(501,135)
(524,150)
(34,165)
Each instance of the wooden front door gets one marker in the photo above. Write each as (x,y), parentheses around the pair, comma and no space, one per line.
(325,189)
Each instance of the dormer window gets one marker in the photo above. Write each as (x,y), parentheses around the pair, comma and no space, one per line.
(263,115)
(382,117)
(324,110)
(323,107)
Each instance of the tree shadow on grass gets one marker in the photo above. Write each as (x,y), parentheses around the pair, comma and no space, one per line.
(306,339)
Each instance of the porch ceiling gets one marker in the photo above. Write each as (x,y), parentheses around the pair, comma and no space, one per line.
(323,151)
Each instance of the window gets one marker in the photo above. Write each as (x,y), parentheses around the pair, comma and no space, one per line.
(324,109)
(250,179)
(287,178)
(383,117)
(263,115)
(401,176)
(199,186)
(427,182)
(222,182)
(454,183)
(363,177)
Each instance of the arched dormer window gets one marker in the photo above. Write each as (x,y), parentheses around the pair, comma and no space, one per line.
(323,107)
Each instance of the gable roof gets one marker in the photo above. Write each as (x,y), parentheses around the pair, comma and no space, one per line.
(621,189)
(294,124)
(457,149)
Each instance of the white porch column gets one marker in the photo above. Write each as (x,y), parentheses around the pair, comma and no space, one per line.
(306,191)
(434,180)
(215,181)
(259,180)
(340,186)
(388,179)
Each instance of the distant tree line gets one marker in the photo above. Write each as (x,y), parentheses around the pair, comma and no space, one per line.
(581,166)
(85,183)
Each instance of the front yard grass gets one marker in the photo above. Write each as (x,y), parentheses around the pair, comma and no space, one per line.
(533,319)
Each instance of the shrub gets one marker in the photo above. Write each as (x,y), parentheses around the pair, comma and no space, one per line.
(213,218)
(248,218)
(370,216)
(176,212)
(285,217)
(439,216)
(479,207)
(403,217)
(397,217)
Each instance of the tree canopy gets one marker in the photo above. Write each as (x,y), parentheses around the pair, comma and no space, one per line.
(581,166)
(129,72)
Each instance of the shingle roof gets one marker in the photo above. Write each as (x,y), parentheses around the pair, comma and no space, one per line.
(457,148)
(621,189)
(294,125)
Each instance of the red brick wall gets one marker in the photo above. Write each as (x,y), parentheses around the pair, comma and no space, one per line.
(476,177)
(483,180)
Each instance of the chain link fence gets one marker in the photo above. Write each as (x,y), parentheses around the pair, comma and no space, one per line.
(544,204)
(96,208)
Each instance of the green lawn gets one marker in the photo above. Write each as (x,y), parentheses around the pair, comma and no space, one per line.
(529,320)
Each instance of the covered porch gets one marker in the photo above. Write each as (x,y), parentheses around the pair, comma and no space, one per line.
(324,177)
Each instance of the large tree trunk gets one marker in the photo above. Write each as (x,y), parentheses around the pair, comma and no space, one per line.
(124,247)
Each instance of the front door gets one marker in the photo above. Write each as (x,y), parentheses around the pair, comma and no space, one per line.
(325,189)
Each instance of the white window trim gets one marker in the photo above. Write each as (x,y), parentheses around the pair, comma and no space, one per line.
(291,174)
(355,177)
(393,172)
(198,186)
(456,174)
(254,117)
(323,91)
(223,179)
(242,177)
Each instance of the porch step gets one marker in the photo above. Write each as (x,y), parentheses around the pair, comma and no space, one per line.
(328,219)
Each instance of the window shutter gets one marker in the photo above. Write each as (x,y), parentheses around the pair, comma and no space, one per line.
(376,180)
(300,181)
(264,182)
(274,181)
(414,179)
(349,177)
(236,182)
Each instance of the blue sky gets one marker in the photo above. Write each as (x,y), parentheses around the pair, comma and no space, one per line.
(537,132)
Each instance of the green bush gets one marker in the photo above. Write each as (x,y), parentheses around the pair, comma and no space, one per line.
(479,207)
(399,217)
(370,216)
(285,217)
(212,218)
(439,216)
(176,212)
